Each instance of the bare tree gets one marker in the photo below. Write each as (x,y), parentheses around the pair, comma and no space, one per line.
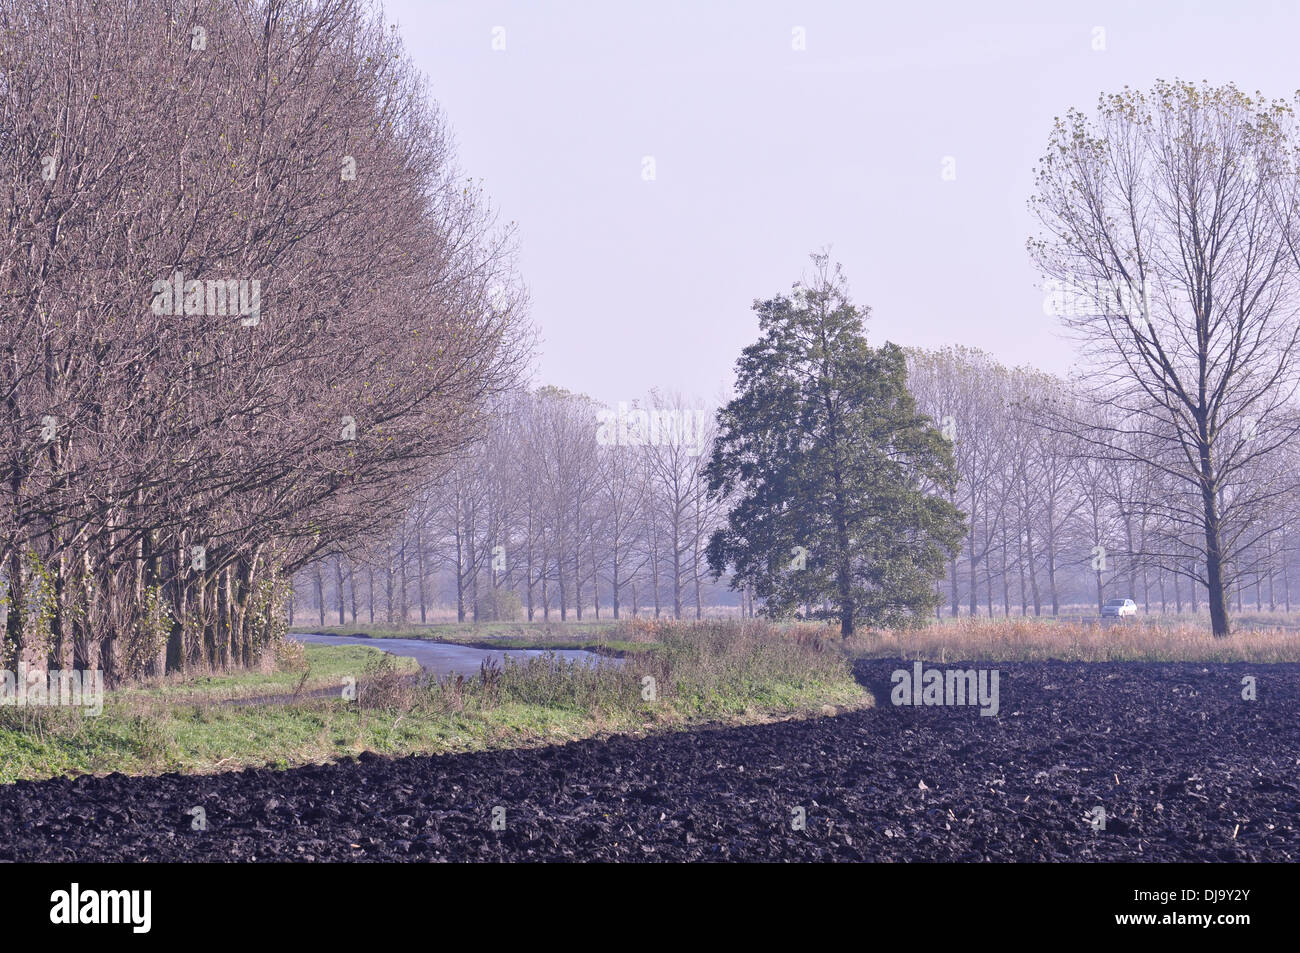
(1175,212)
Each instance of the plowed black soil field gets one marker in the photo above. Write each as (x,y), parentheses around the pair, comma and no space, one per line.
(1183,767)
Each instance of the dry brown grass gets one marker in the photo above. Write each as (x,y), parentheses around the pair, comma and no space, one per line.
(1032,639)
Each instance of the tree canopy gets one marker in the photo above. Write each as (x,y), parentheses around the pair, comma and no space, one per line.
(829,468)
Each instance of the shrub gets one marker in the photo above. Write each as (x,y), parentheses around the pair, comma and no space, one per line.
(384,686)
(499,604)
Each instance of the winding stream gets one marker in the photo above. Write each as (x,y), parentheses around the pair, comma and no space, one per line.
(443,658)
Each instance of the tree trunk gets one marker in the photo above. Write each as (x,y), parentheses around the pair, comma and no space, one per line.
(338,582)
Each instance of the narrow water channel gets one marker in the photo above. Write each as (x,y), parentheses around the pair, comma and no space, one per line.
(443,658)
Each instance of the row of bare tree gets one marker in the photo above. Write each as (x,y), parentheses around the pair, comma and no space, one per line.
(543,517)
(1065,506)
(248,298)
(563,509)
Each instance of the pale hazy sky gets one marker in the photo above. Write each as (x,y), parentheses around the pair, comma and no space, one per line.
(763,154)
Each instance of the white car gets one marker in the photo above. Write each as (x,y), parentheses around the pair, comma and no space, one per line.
(1118,608)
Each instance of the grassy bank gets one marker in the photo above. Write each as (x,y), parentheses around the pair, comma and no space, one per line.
(1034,639)
(713,672)
(300,669)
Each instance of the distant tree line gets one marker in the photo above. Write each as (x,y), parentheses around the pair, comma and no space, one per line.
(562,510)
(541,519)
(1058,517)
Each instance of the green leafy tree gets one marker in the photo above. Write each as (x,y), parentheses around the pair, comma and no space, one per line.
(836,482)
